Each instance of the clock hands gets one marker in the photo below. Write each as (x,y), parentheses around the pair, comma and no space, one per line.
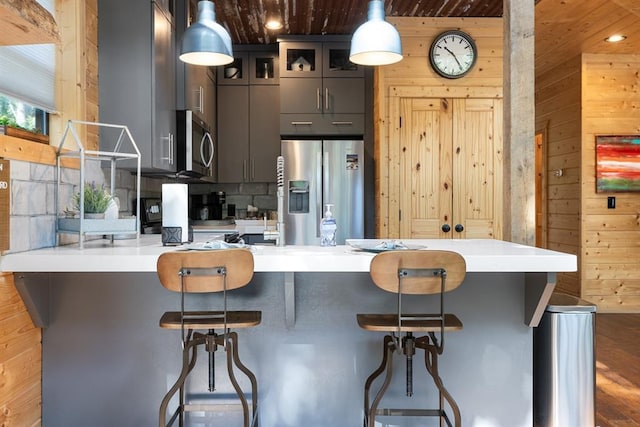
(454,56)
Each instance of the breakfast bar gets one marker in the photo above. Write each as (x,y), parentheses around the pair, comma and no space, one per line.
(107,362)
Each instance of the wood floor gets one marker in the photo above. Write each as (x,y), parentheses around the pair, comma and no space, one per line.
(618,370)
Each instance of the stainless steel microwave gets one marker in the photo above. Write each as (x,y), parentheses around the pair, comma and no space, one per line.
(196,147)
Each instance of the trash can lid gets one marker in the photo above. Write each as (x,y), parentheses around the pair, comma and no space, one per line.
(564,303)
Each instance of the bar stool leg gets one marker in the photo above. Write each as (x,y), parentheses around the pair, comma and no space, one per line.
(373,376)
(231,349)
(431,363)
(187,365)
(233,336)
(389,344)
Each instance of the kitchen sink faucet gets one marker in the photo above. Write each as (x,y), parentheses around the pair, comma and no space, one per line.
(278,233)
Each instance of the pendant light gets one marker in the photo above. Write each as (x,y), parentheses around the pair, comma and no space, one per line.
(376,42)
(206,42)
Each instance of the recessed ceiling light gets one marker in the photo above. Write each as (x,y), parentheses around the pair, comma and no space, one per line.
(615,38)
(273,24)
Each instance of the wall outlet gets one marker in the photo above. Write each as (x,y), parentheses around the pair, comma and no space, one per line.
(611,202)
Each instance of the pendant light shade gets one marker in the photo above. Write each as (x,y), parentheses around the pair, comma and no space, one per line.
(376,42)
(206,42)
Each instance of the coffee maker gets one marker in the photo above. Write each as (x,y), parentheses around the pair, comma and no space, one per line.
(219,198)
(209,206)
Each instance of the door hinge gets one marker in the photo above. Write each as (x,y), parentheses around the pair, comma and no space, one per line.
(400,124)
(399,214)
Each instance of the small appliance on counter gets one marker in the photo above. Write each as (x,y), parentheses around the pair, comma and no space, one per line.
(175,214)
(150,215)
(208,206)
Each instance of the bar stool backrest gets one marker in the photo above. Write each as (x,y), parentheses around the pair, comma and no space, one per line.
(173,268)
(385,269)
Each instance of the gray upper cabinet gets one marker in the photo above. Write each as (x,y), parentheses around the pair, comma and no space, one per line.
(195,85)
(138,77)
(321,91)
(264,132)
(199,92)
(248,126)
(233,133)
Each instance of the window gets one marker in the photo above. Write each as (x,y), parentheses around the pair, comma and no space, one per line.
(27,84)
(14,112)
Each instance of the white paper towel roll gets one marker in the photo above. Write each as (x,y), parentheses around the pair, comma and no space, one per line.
(175,208)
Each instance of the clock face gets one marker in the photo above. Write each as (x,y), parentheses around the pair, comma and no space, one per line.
(453,54)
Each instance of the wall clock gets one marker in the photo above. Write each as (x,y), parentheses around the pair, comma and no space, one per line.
(453,54)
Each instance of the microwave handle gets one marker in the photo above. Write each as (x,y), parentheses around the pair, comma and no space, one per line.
(207,136)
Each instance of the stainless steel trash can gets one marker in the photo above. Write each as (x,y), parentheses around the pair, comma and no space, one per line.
(564,364)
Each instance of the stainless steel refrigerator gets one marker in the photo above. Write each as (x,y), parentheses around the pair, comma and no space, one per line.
(317,172)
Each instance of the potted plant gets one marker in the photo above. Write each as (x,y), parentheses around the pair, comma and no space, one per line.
(9,127)
(96,200)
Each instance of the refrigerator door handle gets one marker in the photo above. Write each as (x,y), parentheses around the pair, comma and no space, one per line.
(319,191)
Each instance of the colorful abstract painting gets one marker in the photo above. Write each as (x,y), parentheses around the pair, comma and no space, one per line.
(618,163)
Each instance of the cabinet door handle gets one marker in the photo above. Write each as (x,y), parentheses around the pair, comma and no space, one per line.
(244,170)
(169,157)
(302,123)
(326,99)
(206,138)
(253,169)
(200,100)
(459,228)
(342,123)
(446,228)
(318,105)
(171,148)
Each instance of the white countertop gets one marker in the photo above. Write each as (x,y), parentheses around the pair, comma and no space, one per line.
(481,255)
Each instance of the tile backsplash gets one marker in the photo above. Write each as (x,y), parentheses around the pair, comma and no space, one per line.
(33,213)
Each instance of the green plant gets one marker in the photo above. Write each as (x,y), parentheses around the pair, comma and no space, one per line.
(96,199)
(4,120)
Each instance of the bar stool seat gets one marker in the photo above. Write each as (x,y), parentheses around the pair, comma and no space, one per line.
(210,319)
(208,272)
(389,322)
(411,272)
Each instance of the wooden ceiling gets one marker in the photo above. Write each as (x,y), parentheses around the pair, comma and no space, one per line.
(244,19)
(567,28)
(564,28)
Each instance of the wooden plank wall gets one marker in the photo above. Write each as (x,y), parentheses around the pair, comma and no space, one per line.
(589,95)
(611,237)
(77,98)
(20,360)
(558,98)
(414,73)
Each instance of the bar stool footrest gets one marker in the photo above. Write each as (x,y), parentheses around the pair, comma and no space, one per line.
(213,407)
(413,413)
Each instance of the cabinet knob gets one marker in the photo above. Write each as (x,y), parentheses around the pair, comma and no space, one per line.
(446,228)
(459,228)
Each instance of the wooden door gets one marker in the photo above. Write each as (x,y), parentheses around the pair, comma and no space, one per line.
(450,168)
(425,193)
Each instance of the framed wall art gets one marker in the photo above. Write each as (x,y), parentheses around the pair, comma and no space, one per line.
(617,163)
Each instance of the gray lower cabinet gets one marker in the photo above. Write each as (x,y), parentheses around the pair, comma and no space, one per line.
(248,133)
(138,78)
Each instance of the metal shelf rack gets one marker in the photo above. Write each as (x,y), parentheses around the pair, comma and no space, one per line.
(81,225)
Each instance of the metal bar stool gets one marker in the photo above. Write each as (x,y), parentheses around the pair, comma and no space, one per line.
(407,272)
(201,272)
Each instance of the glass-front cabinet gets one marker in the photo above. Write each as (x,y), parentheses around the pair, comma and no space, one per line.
(237,72)
(317,59)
